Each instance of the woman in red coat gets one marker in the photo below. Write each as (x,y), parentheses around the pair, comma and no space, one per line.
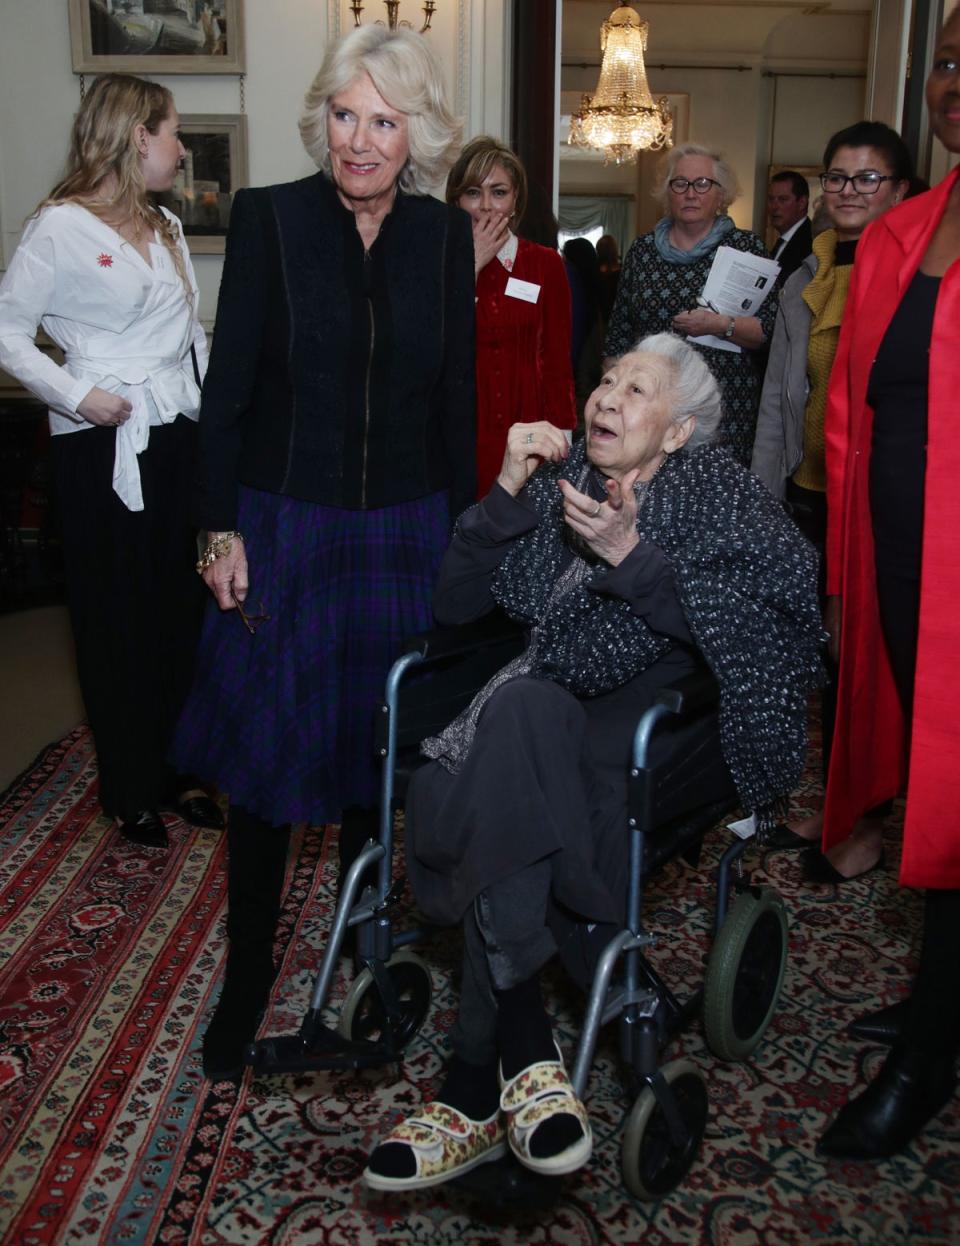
(893,564)
(524,369)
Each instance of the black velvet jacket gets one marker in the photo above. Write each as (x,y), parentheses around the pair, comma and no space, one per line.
(339,376)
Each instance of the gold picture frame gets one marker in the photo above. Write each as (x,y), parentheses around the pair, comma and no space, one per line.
(157,36)
(214,169)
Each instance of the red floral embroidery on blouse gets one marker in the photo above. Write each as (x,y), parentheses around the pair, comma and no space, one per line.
(105,260)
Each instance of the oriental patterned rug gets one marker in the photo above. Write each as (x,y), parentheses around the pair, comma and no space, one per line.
(111,957)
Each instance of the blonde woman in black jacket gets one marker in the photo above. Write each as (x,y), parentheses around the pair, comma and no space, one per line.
(337,436)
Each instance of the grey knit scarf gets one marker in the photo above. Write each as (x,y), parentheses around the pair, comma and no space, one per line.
(746,580)
(451,746)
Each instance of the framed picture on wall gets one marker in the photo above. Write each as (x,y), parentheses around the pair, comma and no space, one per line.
(157,36)
(215,167)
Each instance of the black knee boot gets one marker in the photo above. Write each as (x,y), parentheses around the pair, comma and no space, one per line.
(256,861)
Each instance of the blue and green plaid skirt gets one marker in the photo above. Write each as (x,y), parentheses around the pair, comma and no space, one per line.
(283,720)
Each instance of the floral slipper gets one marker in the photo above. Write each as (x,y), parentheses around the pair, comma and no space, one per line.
(537,1093)
(445,1143)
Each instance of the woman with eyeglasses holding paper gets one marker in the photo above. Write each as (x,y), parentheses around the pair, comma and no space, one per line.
(664,273)
(867,170)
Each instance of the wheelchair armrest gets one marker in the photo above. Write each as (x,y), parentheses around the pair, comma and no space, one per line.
(448,642)
(690,695)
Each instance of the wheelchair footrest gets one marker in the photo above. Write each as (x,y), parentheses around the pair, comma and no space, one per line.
(323,1048)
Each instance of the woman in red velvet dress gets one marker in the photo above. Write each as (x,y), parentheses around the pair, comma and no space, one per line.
(524,370)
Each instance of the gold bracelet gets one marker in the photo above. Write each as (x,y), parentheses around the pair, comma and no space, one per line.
(219,546)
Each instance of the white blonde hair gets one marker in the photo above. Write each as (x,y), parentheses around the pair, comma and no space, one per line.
(693,387)
(405,71)
(722,172)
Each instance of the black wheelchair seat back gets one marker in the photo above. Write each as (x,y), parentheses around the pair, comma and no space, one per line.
(692,789)
(460,662)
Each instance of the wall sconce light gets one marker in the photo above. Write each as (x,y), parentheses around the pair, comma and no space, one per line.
(393,15)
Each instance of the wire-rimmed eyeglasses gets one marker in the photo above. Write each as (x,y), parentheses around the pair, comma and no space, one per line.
(701,185)
(863,183)
(250,621)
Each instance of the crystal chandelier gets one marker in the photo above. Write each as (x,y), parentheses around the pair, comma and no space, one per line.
(621,118)
(393,15)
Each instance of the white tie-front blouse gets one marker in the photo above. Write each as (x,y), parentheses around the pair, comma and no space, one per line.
(123,325)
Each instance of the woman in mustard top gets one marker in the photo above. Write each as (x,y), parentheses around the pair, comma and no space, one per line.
(867,169)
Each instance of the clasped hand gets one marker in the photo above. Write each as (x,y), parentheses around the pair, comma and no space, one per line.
(699,322)
(102,407)
(227,578)
(529,445)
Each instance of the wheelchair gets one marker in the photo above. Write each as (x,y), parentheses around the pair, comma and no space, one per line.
(671,805)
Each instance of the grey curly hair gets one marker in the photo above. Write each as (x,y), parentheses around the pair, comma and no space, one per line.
(406,72)
(722,172)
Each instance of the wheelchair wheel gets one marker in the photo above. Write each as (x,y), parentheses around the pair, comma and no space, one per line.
(652,1163)
(363,1015)
(744,974)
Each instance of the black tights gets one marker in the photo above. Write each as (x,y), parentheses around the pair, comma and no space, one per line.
(933,1023)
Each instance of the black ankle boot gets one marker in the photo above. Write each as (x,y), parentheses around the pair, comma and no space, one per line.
(256,862)
(883,1026)
(911,1087)
(236,1018)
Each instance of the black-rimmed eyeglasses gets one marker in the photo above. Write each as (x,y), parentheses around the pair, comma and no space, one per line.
(862,183)
(701,185)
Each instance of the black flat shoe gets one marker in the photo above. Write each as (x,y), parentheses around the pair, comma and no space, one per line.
(782,837)
(884,1026)
(199,809)
(909,1090)
(145,828)
(818,869)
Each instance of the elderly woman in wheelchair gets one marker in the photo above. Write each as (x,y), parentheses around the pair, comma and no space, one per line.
(633,556)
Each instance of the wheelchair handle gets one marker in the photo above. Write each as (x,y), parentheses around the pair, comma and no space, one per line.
(690,695)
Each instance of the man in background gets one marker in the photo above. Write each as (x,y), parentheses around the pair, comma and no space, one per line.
(788,199)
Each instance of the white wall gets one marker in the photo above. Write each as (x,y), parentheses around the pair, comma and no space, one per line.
(285,40)
(806,112)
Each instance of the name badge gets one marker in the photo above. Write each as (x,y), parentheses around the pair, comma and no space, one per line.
(529,291)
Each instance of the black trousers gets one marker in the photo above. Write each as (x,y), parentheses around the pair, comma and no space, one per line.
(933,1022)
(135,602)
(808,507)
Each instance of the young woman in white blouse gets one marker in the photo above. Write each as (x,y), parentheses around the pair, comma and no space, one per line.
(107,274)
